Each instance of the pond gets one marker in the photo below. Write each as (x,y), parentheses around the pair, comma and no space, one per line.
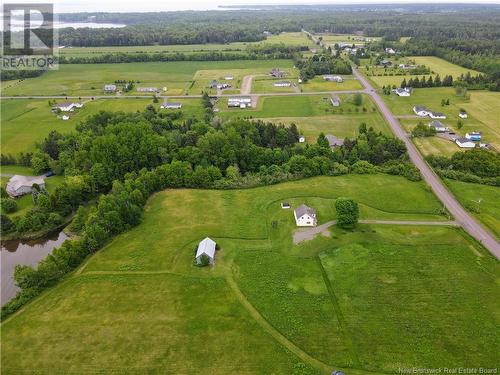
(26,253)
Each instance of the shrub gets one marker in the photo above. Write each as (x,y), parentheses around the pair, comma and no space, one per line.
(363,167)
(347,213)
(8,205)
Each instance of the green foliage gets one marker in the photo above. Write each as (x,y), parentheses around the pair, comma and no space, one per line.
(357,99)
(9,205)
(204,261)
(347,212)
(422,130)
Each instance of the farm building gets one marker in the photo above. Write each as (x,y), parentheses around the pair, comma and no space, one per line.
(206,248)
(285,205)
(277,73)
(462,114)
(305,216)
(438,126)
(65,117)
(465,143)
(333,78)
(437,115)
(334,141)
(171,105)
(282,84)
(20,185)
(335,100)
(390,51)
(421,111)
(66,106)
(473,136)
(240,102)
(109,88)
(147,89)
(406,91)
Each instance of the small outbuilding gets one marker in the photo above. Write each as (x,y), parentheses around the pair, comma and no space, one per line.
(171,105)
(206,248)
(302,139)
(285,205)
(473,136)
(462,114)
(305,216)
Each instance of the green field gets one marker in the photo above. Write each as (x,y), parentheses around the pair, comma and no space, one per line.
(376,298)
(435,64)
(482,108)
(266,84)
(482,200)
(297,106)
(319,84)
(89,79)
(27,121)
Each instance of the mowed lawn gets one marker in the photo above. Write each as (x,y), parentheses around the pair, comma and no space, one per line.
(89,79)
(375,298)
(297,106)
(319,84)
(26,121)
(482,200)
(482,108)
(435,64)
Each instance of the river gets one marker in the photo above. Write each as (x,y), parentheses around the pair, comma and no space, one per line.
(26,253)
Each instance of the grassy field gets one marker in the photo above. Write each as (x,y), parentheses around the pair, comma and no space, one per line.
(25,121)
(342,126)
(89,79)
(266,84)
(435,64)
(319,84)
(482,200)
(297,106)
(351,300)
(482,108)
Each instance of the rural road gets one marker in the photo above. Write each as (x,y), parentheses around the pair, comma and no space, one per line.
(462,217)
(307,234)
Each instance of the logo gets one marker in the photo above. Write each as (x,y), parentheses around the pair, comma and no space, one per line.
(29,39)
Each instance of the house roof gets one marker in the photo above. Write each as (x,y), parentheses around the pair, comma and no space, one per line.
(419,108)
(207,247)
(436,124)
(303,210)
(64,104)
(463,140)
(438,114)
(16,182)
(172,104)
(333,140)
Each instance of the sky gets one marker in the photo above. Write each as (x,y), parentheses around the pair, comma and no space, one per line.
(67,6)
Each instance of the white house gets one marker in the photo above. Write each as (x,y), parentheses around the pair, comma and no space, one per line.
(239,101)
(406,91)
(302,139)
(65,117)
(64,107)
(335,100)
(438,126)
(305,216)
(465,143)
(109,88)
(171,105)
(333,78)
(390,51)
(437,115)
(421,111)
(206,247)
(147,89)
(282,84)
(20,185)
(462,114)
(334,141)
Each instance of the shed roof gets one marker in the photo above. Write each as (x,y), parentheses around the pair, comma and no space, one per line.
(303,209)
(207,247)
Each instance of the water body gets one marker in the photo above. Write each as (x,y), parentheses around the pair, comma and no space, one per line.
(27,253)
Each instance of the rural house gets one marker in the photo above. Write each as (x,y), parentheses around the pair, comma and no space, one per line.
(438,126)
(305,216)
(109,88)
(147,89)
(240,102)
(406,91)
(333,78)
(421,111)
(171,105)
(465,143)
(282,84)
(390,51)
(335,100)
(21,185)
(206,248)
(462,114)
(67,106)
(334,141)
(439,115)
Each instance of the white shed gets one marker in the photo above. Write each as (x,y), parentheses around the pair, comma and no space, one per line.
(206,247)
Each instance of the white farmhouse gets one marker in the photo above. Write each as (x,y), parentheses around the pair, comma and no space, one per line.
(406,91)
(438,126)
(240,102)
(64,107)
(465,143)
(20,185)
(206,248)
(305,216)
(333,78)
(421,111)
(282,84)
(437,115)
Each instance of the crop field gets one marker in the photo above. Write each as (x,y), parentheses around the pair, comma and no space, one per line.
(297,106)
(482,200)
(435,64)
(268,306)
(319,84)
(290,39)
(89,79)
(25,122)
(342,126)
(482,108)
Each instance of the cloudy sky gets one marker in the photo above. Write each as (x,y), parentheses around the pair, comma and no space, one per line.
(63,6)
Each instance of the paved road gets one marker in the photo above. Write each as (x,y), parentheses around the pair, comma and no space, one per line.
(307,234)
(462,217)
